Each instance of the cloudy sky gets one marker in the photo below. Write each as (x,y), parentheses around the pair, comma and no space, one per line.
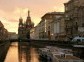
(11,10)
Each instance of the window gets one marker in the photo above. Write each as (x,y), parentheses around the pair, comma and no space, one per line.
(76,2)
(50,16)
(65,61)
(82,24)
(66,8)
(78,40)
(62,55)
(66,15)
(82,40)
(76,26)
(76,23)
(75,61)
(20,25)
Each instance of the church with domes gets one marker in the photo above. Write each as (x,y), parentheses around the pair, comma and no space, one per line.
(25,27)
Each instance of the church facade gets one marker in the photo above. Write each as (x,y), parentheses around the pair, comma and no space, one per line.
(25,27)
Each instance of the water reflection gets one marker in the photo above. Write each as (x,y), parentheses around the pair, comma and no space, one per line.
(34,55)
(27,53)
(12,55)
(22,52)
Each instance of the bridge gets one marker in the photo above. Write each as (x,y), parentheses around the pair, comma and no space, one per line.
(67,44)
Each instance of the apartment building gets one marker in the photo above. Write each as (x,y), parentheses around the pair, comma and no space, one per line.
(48,19)
(58,28)
(74,18)
(36,32)
(3,32)
(32,33)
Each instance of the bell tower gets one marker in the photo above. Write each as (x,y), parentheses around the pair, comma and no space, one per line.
(28,20)
(20,28)
(20,22)
(28,13)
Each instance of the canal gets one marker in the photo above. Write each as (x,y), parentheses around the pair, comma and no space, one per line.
(22,52)
(31,52)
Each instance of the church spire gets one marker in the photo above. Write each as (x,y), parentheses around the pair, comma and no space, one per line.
(28,13)
(20,21)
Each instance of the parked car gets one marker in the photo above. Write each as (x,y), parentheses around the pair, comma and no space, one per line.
(78,39)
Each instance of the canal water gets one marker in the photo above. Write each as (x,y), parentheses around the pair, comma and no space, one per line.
(12,54)
(22,52)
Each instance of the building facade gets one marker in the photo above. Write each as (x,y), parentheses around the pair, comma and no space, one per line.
(12,35)
(46,28)
(63,26)
(37,35)
(32,33)
(24,28)
(50,27)
(3,32)
(74,17)
(58,29)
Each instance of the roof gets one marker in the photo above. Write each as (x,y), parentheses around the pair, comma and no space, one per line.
(53,13)
(68,2)
(1,25)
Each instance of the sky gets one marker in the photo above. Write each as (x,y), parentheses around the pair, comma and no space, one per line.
(12,10)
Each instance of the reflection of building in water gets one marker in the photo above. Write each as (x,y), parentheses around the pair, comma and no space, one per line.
(34,55)
(24,52)
(24,28)
(27,53)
